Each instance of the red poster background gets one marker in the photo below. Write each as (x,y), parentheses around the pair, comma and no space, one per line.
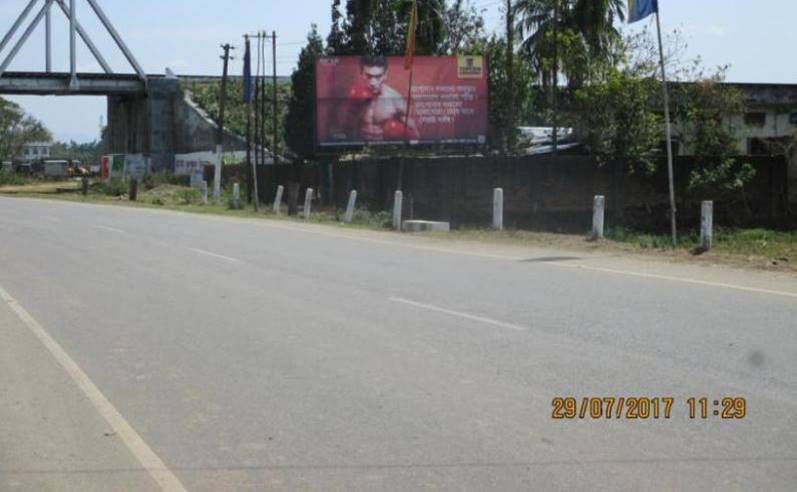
(445,108)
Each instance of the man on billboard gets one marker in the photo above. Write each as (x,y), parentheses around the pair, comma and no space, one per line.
(381,112)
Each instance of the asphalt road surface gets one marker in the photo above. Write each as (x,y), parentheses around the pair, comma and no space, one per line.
(147,350)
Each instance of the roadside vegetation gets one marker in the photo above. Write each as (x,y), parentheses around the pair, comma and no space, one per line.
(757,248)
(10,178)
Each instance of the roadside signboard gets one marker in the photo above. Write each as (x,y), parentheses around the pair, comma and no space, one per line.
(368,101)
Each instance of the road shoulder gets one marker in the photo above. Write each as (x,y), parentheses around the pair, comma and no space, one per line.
(51,438)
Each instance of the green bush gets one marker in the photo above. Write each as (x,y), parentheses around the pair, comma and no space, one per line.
(12,178)
(187,196)
(114,187)
(153,180)
(233,206)
(383,219)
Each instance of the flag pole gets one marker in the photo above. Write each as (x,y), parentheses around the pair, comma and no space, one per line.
(670,172)
(409,63)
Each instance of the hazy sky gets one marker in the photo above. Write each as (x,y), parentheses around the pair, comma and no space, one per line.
(185,36)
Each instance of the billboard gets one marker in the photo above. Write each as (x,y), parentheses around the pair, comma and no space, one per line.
(364,101)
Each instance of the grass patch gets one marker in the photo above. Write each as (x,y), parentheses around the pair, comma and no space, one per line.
(779,245)
(764,243)
(366,218)
(644,240)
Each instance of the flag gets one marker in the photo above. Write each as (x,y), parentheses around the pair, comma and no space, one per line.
(640,9)
(248,72)
(412,26)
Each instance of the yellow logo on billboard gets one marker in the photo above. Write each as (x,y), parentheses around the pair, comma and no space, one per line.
(470,67)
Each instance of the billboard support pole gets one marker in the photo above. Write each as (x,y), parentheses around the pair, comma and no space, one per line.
(275,152)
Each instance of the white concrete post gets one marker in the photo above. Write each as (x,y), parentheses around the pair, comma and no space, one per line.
(217,176)
(203,192)
(278,199)
(236,196)
(498,209)
(598,214)
(308,201)
(707,225)
(397,203)
(349,216)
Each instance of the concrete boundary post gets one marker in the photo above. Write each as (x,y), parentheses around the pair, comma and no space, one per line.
(236,196)
(707,225)
(397,204)
(308,202)
(349,215)
(498,209)
(278,199)
(203,192)
(598,216)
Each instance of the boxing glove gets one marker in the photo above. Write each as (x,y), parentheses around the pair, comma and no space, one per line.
(396,130)
(360,93)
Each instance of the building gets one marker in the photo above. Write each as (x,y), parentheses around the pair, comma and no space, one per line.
(768,126)
(35,151)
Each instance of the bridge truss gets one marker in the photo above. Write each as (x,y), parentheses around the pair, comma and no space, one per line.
(48,82)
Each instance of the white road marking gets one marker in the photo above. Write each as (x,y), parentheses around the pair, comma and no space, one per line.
(109,229)
(145,455)
(54,219)
(460,314)
(215,255)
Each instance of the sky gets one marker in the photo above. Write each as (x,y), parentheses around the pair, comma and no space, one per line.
(185,36)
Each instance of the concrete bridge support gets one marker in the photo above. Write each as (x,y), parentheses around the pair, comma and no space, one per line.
(162,122)
(146,123)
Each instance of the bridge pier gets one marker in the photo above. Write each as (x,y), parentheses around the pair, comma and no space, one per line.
(145,123)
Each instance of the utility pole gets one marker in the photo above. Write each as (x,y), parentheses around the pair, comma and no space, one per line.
(248,104)
(275,150)
(263,99)
(223,95)
(510,74)
(555,81)
(220,135)
(256,106)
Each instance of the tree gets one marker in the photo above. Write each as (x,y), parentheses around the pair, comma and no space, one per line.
(88,153)
(503,119)
(704,110)
(379,27)
(618,122)
(336,40)
(18,129)
(464,29)
(300,119)
(586,31)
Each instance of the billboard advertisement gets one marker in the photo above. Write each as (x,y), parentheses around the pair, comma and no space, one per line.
(367,101)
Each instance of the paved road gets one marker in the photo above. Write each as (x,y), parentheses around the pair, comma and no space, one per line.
(142,349)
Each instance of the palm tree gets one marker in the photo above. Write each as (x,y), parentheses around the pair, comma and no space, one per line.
(590,22)
(596,23)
